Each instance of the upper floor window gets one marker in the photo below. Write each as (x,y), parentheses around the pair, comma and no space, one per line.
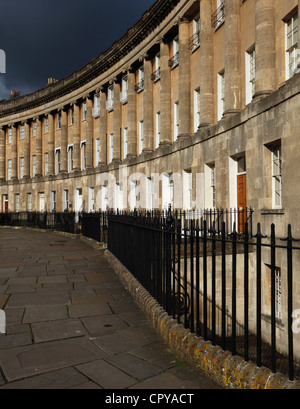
(218,17)
(21,168)
(84,111)
(71,116)
(9,135)
(70,158)
(276,176)
(141,136)
(96,108)
(174,61)
(83,154)
(22,131)
(291,45)
(58,120)
(250,75)
(156,75)
(34,128)
(110,98)
(194,42)
(140,85)
(124,93)
(46,125)
(221,94)
(176,120)
(196,109)
(57,161)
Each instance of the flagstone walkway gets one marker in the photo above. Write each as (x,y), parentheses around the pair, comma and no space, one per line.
(70,324)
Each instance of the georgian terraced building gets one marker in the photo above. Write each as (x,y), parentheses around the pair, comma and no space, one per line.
(198,102)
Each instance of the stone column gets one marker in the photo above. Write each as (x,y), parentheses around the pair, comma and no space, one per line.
(51,143)
(117,122)
(38,146)
(165,95)
(264,47)
(27,160)
(89,131)
(2,154)
(64,141)
(232,57)
(131,116)
(184,89)
(148,106)
(103,128)
(206,65)
(14,165)
(76,136)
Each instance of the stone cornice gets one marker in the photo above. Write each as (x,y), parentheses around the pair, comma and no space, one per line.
(118,50)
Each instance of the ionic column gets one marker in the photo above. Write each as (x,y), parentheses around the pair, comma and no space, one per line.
(14,165)
(165,95)
(76,137)
(38,147)
(103,128)
(117,122)
(131,116)
(89,131)
(184,92)
(50,143)
(148,107)
(232,57)
(64,141)
(206,65)
(27,150)
(264,47)
(2,154)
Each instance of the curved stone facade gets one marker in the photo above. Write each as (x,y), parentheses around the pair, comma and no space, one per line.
(174,112)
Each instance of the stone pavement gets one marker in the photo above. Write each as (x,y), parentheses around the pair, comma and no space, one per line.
(70,324)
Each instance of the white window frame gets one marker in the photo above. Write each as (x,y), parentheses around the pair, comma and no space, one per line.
(141,136)
(83,155)
(110,98)
(22,131)
(167,191)
(21,162)
(33,165)
(58,120)
(176,119)
(70,157)
(53,201)
(97,151)
(65,200)
(96,107)
(196,33)
(9,169)
(292,45)
(91,199)
(125,142)
(84,110)
(71,116)
(46,125)
(210,186)
(221,94)
(250,74)
(276,176)
(111,148)
(29,202)
(9,135)
(157,129)
(46,163)
(57,160)
(196,109)
(17,202)
(187,190)
(34,128)
(124,93)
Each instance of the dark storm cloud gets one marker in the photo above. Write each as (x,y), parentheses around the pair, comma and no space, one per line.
(53,38)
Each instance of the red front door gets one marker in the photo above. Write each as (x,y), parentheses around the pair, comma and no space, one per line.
(241,202)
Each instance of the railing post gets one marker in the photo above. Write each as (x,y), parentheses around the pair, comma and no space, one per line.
(273,300)
(246,293)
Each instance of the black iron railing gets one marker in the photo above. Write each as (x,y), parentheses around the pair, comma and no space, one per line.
(215,281)
(64,221)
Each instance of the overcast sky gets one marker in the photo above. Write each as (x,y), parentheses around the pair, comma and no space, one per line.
(53,38)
